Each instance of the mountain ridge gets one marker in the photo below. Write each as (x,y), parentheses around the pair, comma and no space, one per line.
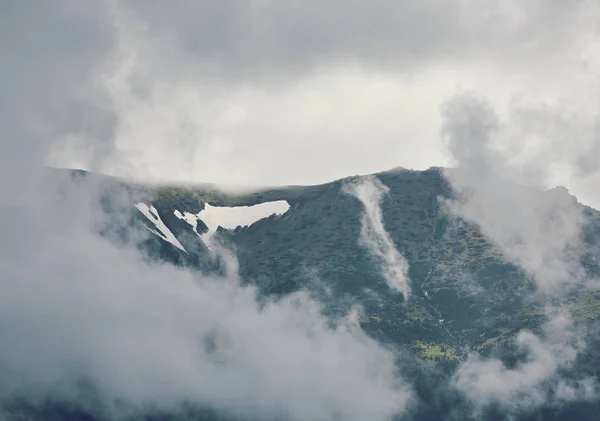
(470,306)
(320,233)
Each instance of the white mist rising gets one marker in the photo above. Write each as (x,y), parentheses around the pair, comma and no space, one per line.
(535,381)
(373,236)
(538,231)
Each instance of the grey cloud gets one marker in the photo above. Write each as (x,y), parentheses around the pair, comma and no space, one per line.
(538,231)
(247,39)
(469,122)
(50,53)
(556,135)
(198,67)
(587,160)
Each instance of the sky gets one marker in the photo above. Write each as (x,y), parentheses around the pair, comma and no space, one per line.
(300,92)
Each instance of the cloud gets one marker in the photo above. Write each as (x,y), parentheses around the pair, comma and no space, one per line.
(50,55)
(538,231)
(499,185)
(533,382)
(373,236)
(270,40)
(183,91)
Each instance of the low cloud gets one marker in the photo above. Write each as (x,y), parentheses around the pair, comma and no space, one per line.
(533,382)
(76,306)
(538,231)
(373,236)
(500,187)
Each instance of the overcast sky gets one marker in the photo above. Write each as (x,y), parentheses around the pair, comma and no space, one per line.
(297,92)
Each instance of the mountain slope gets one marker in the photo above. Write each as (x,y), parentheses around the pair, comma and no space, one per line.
(466,295)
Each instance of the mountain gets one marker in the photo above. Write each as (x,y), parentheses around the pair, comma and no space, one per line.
(315,244)
(465,295)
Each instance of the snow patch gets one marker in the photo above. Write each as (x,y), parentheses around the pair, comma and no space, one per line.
(163,232)
(230,217)
(190,218)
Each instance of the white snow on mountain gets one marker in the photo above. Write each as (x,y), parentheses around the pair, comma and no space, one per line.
(190,218)
(230,217)
(162,231)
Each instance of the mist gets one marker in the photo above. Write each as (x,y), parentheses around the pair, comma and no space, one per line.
(373,236)
(535,382)
(538,231)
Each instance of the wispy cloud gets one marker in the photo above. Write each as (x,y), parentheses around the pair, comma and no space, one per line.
(373,236)
(535,381)
(539,231)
